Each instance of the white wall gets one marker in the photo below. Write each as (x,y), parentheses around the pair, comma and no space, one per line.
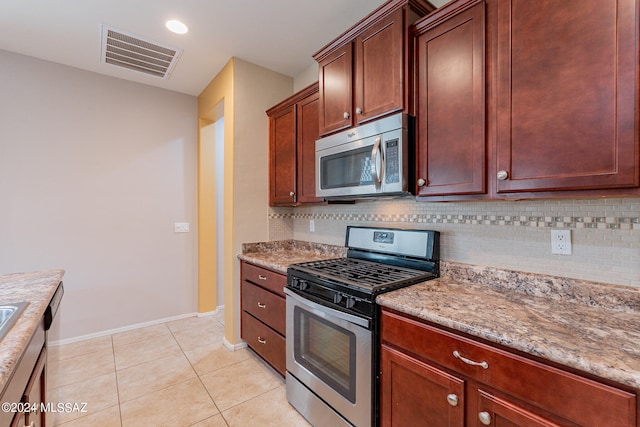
(94,171)
(256,89)
(306,77)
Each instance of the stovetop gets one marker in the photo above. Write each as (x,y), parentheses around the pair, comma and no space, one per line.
(364,274)
(378,260)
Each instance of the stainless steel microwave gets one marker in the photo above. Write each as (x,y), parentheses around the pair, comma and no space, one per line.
(371,160)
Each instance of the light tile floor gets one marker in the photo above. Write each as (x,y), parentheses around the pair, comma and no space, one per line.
(175,374)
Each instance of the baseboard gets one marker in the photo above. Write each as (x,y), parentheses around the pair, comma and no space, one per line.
(211,313)
(234,347)
(123,329)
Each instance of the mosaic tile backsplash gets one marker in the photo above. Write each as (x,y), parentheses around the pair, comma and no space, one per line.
(504,234)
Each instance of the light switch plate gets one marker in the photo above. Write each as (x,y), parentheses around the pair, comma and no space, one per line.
(181,227)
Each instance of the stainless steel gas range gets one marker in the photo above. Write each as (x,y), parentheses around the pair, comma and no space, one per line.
(333,321)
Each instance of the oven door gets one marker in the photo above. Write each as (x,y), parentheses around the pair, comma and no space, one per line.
(330,353)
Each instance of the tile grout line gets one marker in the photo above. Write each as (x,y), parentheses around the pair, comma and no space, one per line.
(199,379)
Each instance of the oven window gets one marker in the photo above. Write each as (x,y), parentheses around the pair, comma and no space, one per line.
(327,350)
(347,169)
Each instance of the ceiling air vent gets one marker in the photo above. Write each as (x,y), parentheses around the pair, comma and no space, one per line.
(134,53)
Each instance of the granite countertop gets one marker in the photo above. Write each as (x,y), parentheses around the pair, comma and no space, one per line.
(36,288)
(591,327)
(278,255)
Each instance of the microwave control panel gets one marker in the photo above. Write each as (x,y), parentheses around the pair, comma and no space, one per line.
(392,161)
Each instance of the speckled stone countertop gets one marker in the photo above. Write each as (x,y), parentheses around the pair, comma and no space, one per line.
(592,327)
(278,255)
(36,288)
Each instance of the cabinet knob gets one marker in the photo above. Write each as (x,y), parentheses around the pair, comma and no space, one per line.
(345,115)
(262,340)
(291,193)
(261,277)
(421,182)
(261,305)
(502,175)
(452,399)
(358,111)
(485,418)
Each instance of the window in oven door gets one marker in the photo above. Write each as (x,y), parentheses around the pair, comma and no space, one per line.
(326,350)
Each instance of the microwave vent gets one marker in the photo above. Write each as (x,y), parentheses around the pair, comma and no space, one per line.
(134,53)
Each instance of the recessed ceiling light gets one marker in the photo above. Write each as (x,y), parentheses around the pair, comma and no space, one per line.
(176,26)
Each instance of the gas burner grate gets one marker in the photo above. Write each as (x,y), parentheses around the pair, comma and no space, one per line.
(362,273)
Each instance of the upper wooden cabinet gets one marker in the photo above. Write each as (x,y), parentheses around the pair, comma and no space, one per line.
(451,138)
(365,73)
(521,99)
(567,87)
(293,130)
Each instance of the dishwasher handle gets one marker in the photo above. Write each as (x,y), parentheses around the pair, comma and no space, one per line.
(52,308)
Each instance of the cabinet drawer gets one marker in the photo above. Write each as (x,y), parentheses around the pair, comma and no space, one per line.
(264,305)
(577,399)
(266,278)
(263,340)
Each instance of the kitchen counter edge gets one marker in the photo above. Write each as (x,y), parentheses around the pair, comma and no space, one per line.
(279,254)
(598,337)
(36,288)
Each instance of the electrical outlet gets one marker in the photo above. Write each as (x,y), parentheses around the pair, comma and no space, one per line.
(561,242)
(312,225)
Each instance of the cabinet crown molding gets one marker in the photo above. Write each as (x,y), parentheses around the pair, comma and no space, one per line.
(422,7)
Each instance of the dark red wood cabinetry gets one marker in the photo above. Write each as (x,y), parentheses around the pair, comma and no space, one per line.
(567,87)
(366,72)
(442,378)
(263,313)
(521,99)
(450,111)
(293,131)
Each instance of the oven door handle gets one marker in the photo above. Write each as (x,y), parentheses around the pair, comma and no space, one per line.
(323,308)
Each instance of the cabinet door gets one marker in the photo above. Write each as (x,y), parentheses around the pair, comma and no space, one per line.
(451,108)
(378,74)
(269,345)
(335,75)
(308,133)
(265,306)
(282,155)
(499,412)
(567,84)
(414,393)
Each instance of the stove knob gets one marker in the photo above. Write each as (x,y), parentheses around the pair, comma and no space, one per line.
(350,302)
(337,298)
(294,282)
(303,285)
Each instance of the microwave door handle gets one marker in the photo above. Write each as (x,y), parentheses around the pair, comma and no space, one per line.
(375,152)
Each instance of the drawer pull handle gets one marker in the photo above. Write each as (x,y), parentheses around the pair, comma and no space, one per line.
(261,305)
(452,399)
(485,418)
(483,364)
(261,277)
(262,340)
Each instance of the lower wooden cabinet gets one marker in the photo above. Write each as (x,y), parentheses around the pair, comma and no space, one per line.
(434,377)
(263,314)
(413,391)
